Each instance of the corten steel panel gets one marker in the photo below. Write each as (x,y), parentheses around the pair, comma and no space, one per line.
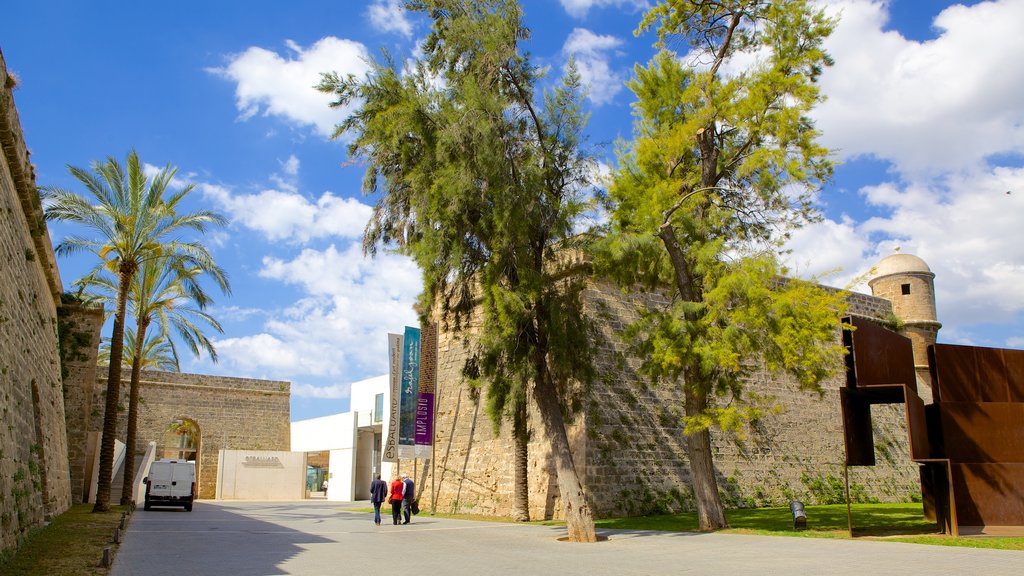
(938,502)
(880,356)
(917,426)
(955,373)
(983,432)
(989,494)
(1015,374)
(858,439)
(991,380)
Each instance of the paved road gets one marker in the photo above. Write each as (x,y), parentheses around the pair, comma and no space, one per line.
(313,538)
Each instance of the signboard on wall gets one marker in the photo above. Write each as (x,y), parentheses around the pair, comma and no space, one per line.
(390,452)
(410,393)
(425,403)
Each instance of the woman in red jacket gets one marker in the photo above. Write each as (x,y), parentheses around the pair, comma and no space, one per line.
(397,490)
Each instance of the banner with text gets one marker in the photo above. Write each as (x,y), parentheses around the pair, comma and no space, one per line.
(390,453)
(410,393)
(425,405)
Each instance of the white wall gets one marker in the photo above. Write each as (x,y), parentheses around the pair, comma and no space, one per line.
(261,475)
(338,433)
(324,433)
(364,392)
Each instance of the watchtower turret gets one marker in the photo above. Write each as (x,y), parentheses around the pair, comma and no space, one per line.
(908,282)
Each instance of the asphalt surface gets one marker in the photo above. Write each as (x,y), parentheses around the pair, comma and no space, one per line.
(318,537)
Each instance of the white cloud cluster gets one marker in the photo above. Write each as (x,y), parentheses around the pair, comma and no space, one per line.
(937,112)
(283,86)
(580,8)
(928,107)
(593,62)
(338,329)
(389,16)
(290,216)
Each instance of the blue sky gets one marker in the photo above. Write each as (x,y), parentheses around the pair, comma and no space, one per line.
(924,114)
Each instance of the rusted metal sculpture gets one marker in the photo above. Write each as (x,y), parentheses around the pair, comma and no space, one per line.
(969,441)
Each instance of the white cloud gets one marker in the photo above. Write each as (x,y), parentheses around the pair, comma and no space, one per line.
(968,229)
(291,166)
(288,215)
(927,107)
(579,8)
(389,16)
(937,113)
(334,332)
(593,63)
(329,392)
(283,86)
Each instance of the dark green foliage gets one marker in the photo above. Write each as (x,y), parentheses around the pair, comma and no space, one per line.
(481,183)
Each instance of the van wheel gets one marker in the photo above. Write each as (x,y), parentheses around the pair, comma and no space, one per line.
(146,506)
(188,507)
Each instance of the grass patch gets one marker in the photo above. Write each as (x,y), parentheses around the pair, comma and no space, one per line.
(71,545)
(893,522)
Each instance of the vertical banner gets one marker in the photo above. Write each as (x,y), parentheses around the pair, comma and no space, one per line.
(428,379)
(410,393)
(390,453)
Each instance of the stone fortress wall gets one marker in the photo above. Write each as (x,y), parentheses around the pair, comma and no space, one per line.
(34,476)
(51,396)
(628,445)
(230,413)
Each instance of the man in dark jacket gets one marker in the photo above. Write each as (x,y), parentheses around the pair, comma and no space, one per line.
(408,497)
(378,492)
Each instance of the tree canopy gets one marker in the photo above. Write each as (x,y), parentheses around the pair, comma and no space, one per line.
(481,183)
(129,218)
(724,164)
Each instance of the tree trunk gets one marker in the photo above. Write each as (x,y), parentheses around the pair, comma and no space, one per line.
(710,514)
(578,515)
(521,488)
(113,395)
(128,488)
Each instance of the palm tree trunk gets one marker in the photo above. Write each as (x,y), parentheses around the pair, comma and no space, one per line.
(128,488)
(521,488)
(710,514)
(113,395)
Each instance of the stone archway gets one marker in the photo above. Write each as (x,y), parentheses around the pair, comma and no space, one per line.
(182,440)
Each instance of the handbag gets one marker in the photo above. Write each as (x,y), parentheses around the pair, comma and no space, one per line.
(415,507)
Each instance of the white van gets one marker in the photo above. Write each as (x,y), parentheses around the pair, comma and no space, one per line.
(171,483)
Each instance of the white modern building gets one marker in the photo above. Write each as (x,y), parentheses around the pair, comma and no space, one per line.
(345,449)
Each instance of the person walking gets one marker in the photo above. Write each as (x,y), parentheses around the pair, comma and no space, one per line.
(397,489)
(378,493)
(408,497)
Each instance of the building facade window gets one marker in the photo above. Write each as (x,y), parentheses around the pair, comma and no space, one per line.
(378,408)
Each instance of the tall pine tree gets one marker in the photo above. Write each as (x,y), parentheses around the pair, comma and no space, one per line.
(723,165)
(481,183)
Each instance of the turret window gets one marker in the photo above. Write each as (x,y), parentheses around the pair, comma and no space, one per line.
(905,289)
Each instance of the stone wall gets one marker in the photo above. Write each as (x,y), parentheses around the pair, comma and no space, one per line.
(231,413)
(34,478)
(628,438)
(79,329)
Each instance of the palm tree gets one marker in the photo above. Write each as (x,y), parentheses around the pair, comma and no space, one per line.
(157,353)
(131,222)
(162,290)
